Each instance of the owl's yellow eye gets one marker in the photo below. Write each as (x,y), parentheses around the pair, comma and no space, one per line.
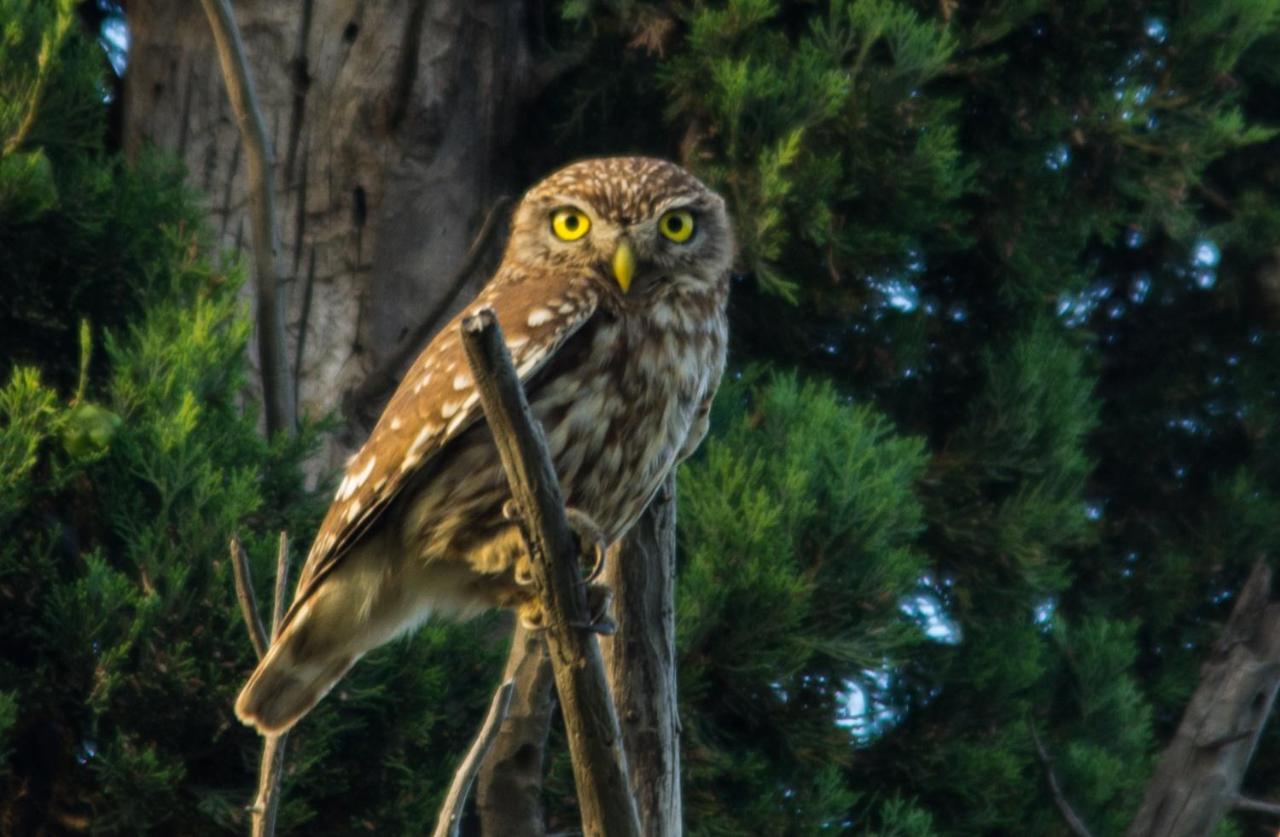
(677,224)
(569,224)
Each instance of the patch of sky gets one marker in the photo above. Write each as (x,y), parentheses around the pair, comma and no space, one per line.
(1043,612)
(114,35)
(1058,157)
(1186,424)
(1156,29)
(1075,309)
(864,713)
(898,293)
(1093,510)
(1133,237)
(1139,287)
(926,610)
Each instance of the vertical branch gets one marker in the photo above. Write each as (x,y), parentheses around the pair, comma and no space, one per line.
(509,791)
(266,803)
(277,394)
(591,724)
(640,660)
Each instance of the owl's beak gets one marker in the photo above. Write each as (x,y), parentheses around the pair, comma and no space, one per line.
(624,265)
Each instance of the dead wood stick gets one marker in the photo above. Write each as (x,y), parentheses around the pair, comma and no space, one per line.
(277,394)
(266,803)
(451,812)
(605,803)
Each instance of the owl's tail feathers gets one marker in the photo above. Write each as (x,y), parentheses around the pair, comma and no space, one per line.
(294,675)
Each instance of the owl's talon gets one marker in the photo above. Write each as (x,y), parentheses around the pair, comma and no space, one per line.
(599,601)
(531,616)
(590,541)
(511,511)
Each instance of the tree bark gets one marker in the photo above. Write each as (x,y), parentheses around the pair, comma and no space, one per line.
(640,662)
(509,787)
(391,123)
(1198,777)
(591,725)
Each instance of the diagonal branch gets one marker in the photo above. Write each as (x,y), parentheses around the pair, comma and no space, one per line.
(451,812)
(1069,816)
(591,724)
(277,393)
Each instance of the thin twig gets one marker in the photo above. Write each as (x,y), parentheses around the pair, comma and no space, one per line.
(277,394)
(1257,806)
(1068,813)
(248,602)
(382,378)
(591,724)
(271,768)
(451,813)
(282,583)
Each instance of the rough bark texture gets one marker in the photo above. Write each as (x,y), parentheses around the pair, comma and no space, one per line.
(591,725)
(509,787)
(1199,775)
(640,662)
(390,121)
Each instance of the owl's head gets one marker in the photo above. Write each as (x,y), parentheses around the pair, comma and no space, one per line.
(636,224)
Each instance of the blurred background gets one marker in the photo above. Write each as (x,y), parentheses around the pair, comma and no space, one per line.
(995,453)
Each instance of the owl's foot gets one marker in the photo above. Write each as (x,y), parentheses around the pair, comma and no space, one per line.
(591,544)
(599,620)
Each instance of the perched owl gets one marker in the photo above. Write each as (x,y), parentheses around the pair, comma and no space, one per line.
(611,295)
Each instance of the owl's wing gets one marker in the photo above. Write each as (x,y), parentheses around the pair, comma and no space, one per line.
(437,400)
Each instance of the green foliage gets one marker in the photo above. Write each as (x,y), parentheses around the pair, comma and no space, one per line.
(1040,236)
(127,459)
(801,505)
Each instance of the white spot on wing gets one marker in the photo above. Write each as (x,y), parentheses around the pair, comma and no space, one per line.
(538,316)
(461,381)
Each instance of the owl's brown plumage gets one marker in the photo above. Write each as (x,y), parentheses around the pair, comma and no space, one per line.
(611,295)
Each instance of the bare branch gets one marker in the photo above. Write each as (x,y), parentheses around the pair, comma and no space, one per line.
(591,724)
(282,583)
(277,394)
(451,813)
(1072,819)
(640,661)
(248,602)
(1199,774)
(381,379)
(271,768)
(1256,806)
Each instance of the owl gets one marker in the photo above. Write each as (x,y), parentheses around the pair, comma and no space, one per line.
(612,298)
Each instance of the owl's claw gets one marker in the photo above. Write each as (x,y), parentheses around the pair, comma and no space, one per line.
(591,543)
(599,602)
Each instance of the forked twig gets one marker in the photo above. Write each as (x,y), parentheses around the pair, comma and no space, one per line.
(271,768)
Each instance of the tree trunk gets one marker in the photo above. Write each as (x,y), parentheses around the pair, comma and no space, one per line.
(390,123)
(1199,775)
(640,661)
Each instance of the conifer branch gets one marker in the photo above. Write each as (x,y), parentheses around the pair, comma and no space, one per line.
(591,724)
(1069,816)
(277,394)
(450,818)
